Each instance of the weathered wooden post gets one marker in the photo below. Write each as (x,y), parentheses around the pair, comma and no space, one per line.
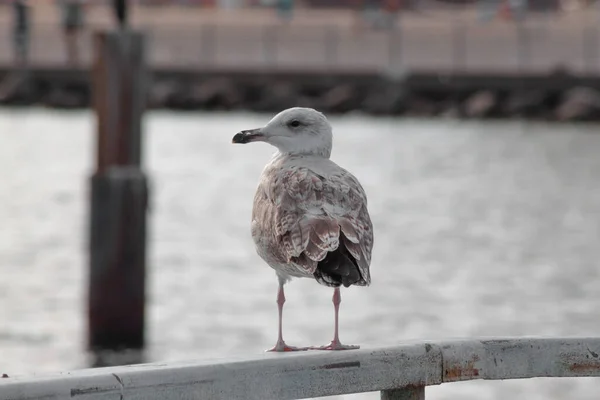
(459,47)
(590,47)
(523,48)
(332,44)
(119,195)
(395,47)
(208,45)
(270,42)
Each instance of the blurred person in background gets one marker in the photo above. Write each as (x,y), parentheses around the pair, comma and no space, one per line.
(392,9)
(369,12)
(357,5)
(517,8)
(72,21)
(509,9)
(21,32)
(285,9)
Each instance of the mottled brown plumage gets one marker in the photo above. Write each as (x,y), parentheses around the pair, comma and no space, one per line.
(309,212)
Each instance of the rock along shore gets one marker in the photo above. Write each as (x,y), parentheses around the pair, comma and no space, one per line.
(558,96)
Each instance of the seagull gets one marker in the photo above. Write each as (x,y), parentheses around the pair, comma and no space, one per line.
(309,217)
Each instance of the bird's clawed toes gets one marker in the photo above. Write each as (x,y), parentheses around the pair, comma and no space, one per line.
(336,345)
(282,347)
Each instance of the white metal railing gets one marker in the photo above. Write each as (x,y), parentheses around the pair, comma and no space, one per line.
(399,372)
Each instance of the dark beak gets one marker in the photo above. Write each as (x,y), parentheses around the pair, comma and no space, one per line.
(251,135)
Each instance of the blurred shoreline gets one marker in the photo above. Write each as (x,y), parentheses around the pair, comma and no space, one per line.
(544,67)
(556,96)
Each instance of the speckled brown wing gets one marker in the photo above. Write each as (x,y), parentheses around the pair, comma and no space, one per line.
(312,214)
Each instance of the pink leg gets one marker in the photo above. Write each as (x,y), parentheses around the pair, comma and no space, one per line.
(280,345)
(335,343)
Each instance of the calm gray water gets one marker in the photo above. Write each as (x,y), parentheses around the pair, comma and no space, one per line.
(482,229)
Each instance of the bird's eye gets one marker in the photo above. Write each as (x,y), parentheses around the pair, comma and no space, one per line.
(295,123)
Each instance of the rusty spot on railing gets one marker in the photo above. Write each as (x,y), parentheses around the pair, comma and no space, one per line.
(461,371)
(585,366)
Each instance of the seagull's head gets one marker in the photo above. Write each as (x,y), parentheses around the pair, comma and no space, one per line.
(294,131)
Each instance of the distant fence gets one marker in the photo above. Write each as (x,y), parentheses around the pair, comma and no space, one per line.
(440,41)
(451,46)
(399,372)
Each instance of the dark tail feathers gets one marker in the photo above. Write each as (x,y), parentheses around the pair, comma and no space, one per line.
(338,268)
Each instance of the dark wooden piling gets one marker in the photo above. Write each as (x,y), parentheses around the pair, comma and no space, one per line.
(119,195)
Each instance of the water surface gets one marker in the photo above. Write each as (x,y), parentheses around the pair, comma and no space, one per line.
(481,229)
